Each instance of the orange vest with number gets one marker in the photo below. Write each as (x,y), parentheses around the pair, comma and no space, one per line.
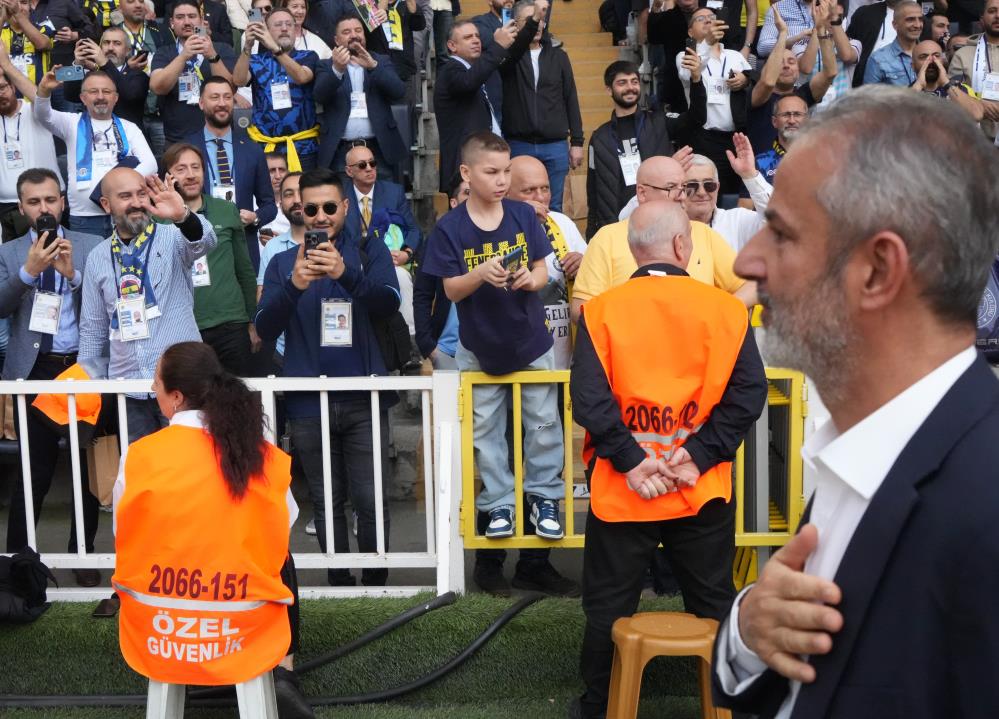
(668,346)
(199,573)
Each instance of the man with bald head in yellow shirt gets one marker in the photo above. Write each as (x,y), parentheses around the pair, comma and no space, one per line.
(608,261)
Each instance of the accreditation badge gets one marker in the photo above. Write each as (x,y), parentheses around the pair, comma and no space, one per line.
(201,275)
(990,87)
(13,158)
(281,96)
(630,160)
(45,311)
(224,192)
(337,322)
(132,321)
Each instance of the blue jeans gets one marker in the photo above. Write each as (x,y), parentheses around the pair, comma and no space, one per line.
(555,156)
(144,417)
(544,448)
(98,225)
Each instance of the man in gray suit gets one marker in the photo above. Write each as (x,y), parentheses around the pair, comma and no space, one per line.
(40,278)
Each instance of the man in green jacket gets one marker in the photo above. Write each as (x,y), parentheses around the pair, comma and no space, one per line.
(225,286)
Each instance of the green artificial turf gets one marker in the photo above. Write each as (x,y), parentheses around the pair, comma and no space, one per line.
(529,669)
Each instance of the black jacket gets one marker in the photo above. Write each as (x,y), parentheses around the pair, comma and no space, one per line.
(606,192)
(430,307)
(669,29)
(545,114)
(459,104)
(132,86)
(596,409)
(865,26)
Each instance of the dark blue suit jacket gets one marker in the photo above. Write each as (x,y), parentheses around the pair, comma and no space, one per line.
(387,196)
(920,582)
(252,181)
(382,88)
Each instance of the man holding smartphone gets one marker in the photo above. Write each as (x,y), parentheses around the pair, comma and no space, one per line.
(40,277)
(112,56)
(304,293)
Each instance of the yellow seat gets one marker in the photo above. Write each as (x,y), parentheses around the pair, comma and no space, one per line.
(639,638)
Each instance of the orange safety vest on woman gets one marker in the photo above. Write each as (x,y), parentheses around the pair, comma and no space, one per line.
(667,346)
(199,573)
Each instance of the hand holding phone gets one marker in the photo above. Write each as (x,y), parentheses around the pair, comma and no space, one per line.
(69,74)
(313,239)
(255,15)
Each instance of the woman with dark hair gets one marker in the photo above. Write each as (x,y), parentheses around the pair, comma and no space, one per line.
(202,513)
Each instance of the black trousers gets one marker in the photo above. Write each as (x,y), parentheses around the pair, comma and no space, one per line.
(231,343)
(43,451)
(290,579)
(712,144)
(701,550)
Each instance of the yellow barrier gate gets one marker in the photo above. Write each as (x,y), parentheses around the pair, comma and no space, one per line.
(768,468)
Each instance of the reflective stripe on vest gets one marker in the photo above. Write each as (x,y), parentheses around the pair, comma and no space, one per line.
(667,345)
(197,571)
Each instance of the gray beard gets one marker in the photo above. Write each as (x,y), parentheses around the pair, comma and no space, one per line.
(123,223)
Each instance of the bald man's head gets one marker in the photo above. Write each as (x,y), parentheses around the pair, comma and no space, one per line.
(659,232)
(360,168)
(529,181)
(660,178)
(124,196)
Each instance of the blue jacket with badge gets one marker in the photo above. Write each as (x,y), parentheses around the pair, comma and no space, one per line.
(373,291)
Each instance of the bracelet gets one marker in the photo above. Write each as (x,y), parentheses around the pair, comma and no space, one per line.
(213,60)
(278,53)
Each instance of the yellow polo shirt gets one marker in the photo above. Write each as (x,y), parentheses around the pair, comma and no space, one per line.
(608,261)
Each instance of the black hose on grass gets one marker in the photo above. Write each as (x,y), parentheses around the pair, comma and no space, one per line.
(121,700)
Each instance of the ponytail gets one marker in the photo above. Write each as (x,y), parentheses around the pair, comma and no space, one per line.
(233,415)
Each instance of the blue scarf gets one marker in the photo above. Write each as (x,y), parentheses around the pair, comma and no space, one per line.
(85,146)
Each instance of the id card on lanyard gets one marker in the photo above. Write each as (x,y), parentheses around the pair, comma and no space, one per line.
(46,308)
(13,157)
(336,323)
(133,323)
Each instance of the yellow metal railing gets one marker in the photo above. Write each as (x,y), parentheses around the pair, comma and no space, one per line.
(782,523)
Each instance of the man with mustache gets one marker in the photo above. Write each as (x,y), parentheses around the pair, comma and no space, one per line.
(234,165)
(225,294)
(144,267)
(618,146)
(291,207)
(114,56)
(281,77)
(790,112)
(96,142)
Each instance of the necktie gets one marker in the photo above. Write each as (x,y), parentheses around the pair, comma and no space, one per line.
(48,285)
(366,212)
(222,159)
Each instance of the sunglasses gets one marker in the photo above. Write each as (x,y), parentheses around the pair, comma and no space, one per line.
(365,164)
(329,209)
(691,187)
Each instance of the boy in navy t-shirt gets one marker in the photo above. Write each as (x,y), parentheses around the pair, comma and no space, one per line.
(491,253)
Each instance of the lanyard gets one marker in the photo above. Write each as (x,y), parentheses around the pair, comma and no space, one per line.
(707,66)
(905,66)
(132,261)
(4,118)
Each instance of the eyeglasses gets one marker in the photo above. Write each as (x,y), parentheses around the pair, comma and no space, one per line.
(329,209)
(693,186)
(792,115)
(670,189)
(365,164)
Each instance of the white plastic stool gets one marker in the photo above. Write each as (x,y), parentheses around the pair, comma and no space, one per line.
(255,698)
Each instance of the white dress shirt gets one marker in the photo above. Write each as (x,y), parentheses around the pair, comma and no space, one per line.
(715,70)
(184,418)
(850,468)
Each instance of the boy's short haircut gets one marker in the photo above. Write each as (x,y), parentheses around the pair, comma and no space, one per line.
(482,142)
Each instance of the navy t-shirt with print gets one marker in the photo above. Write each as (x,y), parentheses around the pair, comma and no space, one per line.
(504,330)
(265,71)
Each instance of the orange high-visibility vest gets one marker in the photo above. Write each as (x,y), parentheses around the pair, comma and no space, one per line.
(56,406)
(199,573)
(668,346)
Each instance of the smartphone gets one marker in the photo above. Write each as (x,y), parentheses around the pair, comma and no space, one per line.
(47,223)
(69,73)
(513,259)
(242,116)
(143,56)
(691,44)
(314,238)
(721,16)
(255,15)
(200,30)
(506,15)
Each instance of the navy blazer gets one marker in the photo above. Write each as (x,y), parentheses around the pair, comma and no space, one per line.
(253,181)
(382,88)
(386,196)
(16,298)
(920,581)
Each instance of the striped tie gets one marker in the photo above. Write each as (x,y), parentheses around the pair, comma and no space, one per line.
(222,159)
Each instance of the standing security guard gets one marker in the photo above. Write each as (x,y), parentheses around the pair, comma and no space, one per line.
(666,380)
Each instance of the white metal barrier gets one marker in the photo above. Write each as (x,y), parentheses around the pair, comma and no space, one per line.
(441,477)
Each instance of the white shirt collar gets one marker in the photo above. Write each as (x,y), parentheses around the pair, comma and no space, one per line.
(360,195)
(863,455)
(188,418)
(462,61)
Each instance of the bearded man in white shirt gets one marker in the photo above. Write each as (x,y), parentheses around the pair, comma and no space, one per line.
(883,605)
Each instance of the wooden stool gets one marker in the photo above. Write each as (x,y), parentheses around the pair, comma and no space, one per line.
(639,638)
(255,698)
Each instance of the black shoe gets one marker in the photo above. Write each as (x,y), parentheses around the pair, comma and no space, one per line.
(87,577)
(489,578)
(292,704)
(576,711)
(340,578)
(545,578)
